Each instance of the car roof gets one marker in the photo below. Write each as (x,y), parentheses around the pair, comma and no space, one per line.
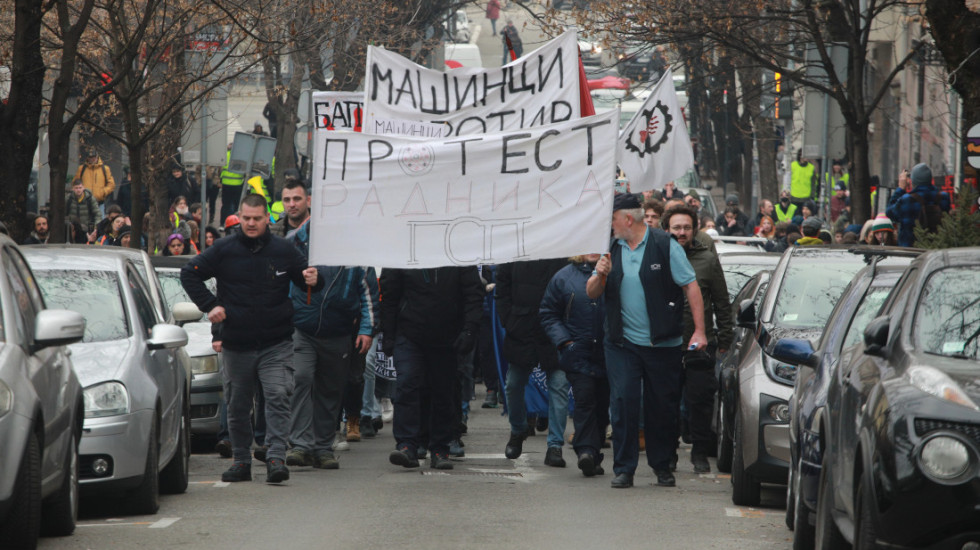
(170,261)
(749,258)
(89,258)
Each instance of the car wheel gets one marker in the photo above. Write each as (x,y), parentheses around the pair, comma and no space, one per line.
(61,510)
(745,489)
(803,532)
(174,477)
(145,499)
(827,535)
(865,534)
(21,527)
(724,443)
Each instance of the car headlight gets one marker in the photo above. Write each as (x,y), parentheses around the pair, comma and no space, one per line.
(780,372)
(204,364)
(108,399)
(945,458)
(936,382)
(6,399)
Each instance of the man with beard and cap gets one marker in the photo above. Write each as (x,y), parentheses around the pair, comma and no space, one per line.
(646,278)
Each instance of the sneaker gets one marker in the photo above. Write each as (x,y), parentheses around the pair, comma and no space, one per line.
(276,471)
(298,457)
(326,461)
(456,448)
(622,481)
(367,427)
(553,458)
(514,446)
(665,478)
(387,410)
(586,463)
(377,423)
(440,461)
(421,452)
(223,448)
(403,456)
(353,429)
(490,402)
(239,471)
(700,463)
(340,442)
(260,453)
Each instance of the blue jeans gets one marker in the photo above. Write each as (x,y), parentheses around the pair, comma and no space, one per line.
(271,370)
(659,371)
(557,402)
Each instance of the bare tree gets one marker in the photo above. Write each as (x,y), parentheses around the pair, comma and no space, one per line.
(956,30)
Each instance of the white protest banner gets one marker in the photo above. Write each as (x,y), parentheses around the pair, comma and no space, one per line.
(411,128)
(654,146)
(537,89)
(338,110)
(395,201)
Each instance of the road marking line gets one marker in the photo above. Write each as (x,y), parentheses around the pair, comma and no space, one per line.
(114,523)
(486,456)
(748,513)
(220,484)
(164,522)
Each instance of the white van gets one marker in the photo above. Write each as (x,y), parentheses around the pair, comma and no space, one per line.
(465,55)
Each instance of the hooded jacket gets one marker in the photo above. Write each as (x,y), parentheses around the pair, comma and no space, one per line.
(86,209)
(253,277)
(347,304)
(714,294)
(97,178)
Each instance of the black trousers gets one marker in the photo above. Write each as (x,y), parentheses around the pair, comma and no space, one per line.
(700,385)
(591,415)
(420,370)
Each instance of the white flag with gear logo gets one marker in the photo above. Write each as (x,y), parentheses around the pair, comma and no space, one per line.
(654,147)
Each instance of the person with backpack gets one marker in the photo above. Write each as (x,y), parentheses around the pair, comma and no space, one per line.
(922,203)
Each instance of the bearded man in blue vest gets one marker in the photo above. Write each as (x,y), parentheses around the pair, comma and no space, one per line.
(646,278)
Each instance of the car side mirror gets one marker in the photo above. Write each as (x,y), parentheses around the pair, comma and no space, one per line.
(746,314)
(876,336)
(795,351)
(186,312)
(57,327)
(166,336)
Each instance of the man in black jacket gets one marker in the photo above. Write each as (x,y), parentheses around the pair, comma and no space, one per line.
(428,317)
(253,270)
(520,287)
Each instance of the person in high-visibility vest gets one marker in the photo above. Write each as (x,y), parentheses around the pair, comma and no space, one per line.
(802,178)
(231,188)
(836,176)
(256,186)
(785,210)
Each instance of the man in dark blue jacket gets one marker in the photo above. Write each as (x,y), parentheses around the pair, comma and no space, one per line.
(253,269)
(646,278)
(326,323)
(429,317)
(906,205)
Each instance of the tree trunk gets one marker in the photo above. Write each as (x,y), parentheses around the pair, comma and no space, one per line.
(860,180)
(20,115)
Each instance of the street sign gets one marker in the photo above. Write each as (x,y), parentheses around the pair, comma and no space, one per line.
(973,146)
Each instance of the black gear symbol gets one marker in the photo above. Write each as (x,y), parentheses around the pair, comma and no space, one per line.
(653,147)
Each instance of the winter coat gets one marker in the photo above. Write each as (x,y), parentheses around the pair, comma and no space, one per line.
(493,9)
(903,209)
(568,315)
(346,305)
(97,178)
(430,307)
(739,229)
(86,209)
(520,287)
(253,277)
(184,186)
(714,294)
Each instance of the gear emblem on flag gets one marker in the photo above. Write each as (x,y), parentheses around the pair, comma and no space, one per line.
(652,135)
(416,160)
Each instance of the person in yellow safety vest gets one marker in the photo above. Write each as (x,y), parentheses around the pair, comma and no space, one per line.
(785,210)
(231,188)
(256,186)
(276,211)
(837,175)
(802,177)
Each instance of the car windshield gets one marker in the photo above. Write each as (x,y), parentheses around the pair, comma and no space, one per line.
(947,320)
(810,290)
(173,290)
(94,294)
(736,276)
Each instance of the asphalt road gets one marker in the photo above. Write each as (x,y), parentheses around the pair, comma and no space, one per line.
(487,501)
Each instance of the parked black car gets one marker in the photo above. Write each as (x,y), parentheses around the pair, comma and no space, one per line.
(860,303)
(901,466)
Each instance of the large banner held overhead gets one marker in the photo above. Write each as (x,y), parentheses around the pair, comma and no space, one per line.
(654,146)
(396,201)
(537,89)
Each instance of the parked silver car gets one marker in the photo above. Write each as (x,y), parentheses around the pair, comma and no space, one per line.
(134,370)
(206,387)
(41,409)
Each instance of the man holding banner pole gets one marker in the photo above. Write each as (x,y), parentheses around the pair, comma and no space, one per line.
(646,278)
